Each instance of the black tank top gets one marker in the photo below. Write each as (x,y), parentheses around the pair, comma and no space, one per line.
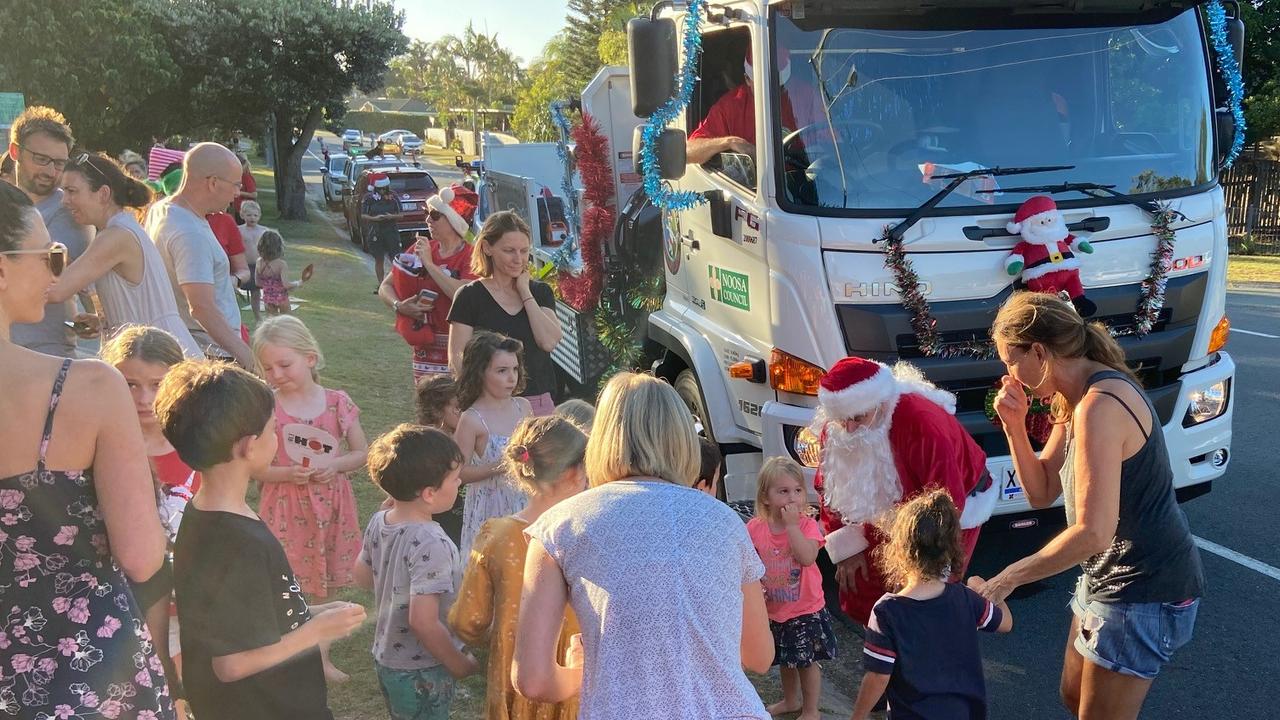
(1152,557)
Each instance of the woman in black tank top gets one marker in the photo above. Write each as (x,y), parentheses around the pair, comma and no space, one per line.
(1141,582)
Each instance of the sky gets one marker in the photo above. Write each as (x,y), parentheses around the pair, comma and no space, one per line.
(523,26)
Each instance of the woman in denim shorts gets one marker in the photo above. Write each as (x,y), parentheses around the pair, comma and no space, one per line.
(1137,598)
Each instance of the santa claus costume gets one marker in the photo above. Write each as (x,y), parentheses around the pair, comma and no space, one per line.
(1045,256)
(908,440)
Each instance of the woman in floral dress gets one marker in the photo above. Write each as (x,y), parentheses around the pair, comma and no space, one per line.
(73,643)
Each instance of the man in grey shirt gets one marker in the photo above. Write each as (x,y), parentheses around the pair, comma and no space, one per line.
(40,144)
(198,266)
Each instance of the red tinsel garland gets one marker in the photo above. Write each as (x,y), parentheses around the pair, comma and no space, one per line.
(582,291)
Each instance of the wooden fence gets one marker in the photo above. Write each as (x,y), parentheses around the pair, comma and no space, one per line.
(1252,189)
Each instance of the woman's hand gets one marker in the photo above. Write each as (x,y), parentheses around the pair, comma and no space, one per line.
(522,284)
(997,589)
(414,308)
(1012,403)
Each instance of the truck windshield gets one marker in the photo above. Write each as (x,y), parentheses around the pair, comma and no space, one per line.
(1128,106)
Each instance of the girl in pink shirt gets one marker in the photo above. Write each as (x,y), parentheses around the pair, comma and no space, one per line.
(787,540)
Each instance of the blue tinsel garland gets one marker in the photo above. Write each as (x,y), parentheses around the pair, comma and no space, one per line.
(1230,70)
(660,192)
(569,255)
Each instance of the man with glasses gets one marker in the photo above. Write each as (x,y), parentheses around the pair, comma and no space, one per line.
(40,144)
(199,270)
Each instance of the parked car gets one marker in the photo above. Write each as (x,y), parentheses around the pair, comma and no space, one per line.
(411,185)
(352,135)
(410,143)
(332,181)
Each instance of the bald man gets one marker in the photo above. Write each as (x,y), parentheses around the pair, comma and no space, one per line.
(198,268)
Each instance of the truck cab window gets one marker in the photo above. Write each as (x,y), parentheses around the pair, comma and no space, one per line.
(721,120)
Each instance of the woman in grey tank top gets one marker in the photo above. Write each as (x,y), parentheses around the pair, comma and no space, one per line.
(121,262)
(1137,598)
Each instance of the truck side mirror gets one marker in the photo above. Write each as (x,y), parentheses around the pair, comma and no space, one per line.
(1226,129)
(651,55)
(669,149)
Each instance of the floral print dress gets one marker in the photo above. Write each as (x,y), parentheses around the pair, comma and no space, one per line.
(316,523)
(72,644)
(496,496)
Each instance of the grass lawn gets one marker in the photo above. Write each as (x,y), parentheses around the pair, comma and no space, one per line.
(366,358)
(1246,269)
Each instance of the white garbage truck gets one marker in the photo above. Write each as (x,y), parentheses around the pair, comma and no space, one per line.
(850,122)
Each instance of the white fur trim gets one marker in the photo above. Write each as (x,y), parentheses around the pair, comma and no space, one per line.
(1014,228)
(860,398)
(440,204)
(979,506)
(846,542)
(1042,270)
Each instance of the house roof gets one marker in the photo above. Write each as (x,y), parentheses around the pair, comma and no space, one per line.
(402,105)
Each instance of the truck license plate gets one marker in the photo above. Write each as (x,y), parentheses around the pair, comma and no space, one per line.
(1003,474)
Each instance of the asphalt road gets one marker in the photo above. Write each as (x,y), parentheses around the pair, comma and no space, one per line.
(1230,669)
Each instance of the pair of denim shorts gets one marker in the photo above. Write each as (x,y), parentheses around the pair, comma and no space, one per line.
(1132,638)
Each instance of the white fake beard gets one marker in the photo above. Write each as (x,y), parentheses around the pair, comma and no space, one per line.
(860,480)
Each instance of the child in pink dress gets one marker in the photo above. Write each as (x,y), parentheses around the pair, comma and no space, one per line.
(307,499)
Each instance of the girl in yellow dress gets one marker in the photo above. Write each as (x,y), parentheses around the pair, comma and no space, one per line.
(545,456)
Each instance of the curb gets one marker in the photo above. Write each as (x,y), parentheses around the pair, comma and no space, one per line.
(1257,286)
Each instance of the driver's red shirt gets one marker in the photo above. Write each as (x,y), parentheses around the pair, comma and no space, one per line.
(734,113)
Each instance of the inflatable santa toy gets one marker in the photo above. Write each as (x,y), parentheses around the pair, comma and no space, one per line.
(1045,256)
(886,436)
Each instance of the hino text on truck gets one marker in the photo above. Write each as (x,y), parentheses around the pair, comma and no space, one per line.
(922,126)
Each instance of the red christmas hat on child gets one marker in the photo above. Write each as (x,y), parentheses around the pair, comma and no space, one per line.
(854,386)
(458,204)
(1036,205)
(378,181)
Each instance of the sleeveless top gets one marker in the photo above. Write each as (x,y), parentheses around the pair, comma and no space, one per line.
(148,302)
(72,635)
(1153,557)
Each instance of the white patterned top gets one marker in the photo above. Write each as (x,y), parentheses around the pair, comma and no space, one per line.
(655,574)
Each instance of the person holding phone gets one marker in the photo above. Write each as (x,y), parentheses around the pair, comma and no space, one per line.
(422,283)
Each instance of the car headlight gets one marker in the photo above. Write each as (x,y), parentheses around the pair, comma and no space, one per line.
(807,448)
(1206,403)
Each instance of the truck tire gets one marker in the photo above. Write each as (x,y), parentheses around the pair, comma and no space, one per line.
(690,392)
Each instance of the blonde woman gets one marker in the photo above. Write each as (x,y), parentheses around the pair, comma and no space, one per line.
(663,578)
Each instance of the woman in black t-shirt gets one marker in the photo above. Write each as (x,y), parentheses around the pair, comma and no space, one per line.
(506,300)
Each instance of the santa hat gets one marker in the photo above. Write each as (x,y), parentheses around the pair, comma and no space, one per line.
(378,181)
(458,204)
(1033,207)
(854,386)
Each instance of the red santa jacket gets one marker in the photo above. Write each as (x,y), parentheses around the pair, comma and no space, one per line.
(1039,260)
(930,449)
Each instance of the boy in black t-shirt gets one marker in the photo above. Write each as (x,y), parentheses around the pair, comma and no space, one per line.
(250,643)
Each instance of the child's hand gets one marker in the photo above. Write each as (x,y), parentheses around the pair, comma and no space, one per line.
(299,475)
(575,657)
(338,620)
(323,475)
(789,514)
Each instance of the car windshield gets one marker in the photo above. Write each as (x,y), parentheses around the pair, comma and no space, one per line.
(1127,106)
(336,164)
(412,183)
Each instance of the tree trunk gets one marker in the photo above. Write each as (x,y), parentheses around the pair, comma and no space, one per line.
(291,199)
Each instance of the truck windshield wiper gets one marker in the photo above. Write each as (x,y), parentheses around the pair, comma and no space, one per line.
(957,179)
(1093,190)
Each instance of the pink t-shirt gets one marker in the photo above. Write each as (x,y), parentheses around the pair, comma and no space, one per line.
(790,589)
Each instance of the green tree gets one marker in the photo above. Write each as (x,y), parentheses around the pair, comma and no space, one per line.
(586,22)
(1262,68)
(98,63)
(278,66)
(548,81)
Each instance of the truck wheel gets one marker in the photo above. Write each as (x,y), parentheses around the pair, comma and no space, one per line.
(690,392)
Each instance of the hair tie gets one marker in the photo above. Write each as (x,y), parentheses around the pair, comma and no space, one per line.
(521,453)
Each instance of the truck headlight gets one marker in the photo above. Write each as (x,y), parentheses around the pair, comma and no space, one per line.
(1207,403)
(807,448)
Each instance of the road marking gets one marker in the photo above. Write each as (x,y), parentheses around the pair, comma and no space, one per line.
(1235,557)
(1250,332)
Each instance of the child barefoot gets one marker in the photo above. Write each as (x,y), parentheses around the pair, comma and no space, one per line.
(273,274)
(251,233)
(435,403)
(492,374)
(788,540)
(307,499)
(413,569)
(922,641)
(546,457)
(249,638)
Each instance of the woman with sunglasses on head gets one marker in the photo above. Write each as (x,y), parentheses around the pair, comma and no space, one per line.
(121,261)
(87,567)
(421,285)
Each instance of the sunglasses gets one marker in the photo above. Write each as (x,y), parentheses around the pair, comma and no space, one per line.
(434,215)
(55,256)
(85,160)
